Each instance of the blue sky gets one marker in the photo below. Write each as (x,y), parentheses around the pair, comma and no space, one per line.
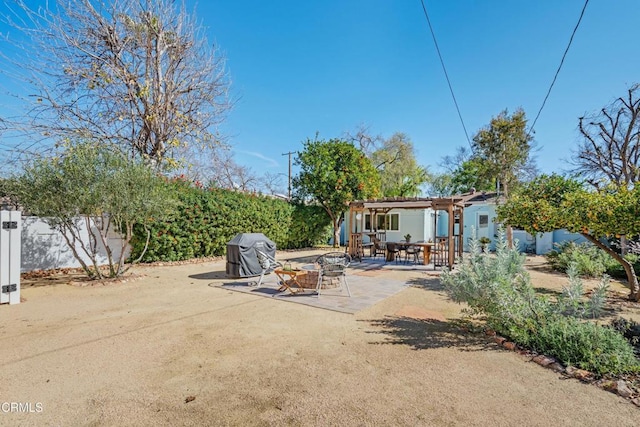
(301,67)
(304,67)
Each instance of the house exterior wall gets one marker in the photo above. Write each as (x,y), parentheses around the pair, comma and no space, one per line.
(560,236)
(417,222)
(420,224)
(470,223)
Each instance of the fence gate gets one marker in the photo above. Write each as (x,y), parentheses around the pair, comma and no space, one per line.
(10,247)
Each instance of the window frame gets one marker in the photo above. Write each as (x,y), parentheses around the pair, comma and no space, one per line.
(383,221)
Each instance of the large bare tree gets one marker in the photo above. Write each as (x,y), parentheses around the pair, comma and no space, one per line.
(610,148)
(223,171)
(139,75)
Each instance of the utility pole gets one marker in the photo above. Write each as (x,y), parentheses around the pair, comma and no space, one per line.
(289,154)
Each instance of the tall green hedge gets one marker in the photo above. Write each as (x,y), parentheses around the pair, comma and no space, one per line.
(208,218)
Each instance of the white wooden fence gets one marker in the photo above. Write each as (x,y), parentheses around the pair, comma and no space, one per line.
(44,248)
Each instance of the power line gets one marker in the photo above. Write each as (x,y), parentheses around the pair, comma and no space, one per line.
(559,67)
(433,35)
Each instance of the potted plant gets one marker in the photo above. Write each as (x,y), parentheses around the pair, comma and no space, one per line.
(407,237)
(484,242)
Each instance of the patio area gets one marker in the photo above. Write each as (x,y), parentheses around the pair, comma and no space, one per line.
(370,281)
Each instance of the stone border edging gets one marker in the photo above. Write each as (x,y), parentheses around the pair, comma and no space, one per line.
(620,387)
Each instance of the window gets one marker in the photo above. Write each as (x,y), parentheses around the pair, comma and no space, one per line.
(483,221)
(390,222)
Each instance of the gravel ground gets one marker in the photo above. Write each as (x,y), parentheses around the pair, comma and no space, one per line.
(168,349)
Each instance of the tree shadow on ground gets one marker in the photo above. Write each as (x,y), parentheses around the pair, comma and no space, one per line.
(428,283)
(421,334)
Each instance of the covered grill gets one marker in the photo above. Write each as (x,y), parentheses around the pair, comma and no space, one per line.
(242,260)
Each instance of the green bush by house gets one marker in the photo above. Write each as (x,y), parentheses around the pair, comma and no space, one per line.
(590,261)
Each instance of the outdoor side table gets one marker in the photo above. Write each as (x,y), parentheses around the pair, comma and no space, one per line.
(289,276)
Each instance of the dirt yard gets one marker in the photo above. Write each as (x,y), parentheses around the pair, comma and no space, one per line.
(171,348)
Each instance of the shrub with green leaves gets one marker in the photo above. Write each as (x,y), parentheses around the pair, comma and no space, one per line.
(630,330)
(586,345)
(498,290)
(588,259)
(209,217)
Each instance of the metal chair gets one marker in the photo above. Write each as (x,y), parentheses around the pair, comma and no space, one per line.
(413,251)
(333,264)
(267,264)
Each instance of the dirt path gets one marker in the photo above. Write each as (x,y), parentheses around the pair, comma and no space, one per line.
(132,353)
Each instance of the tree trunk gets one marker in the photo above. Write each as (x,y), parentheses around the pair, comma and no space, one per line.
(336,233)
(623,245)
(508,228)
(628,267)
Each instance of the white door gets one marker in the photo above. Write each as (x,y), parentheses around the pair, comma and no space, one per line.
(482,225)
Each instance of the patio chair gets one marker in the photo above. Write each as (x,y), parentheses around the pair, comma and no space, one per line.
(393,252)
(440,252)
(333,264)
(267,264)
(412,251)
(378,248)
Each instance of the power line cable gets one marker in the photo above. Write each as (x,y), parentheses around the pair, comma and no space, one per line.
(433,35)
(559,67)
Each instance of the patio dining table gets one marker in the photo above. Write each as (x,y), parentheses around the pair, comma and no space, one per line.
(425,246)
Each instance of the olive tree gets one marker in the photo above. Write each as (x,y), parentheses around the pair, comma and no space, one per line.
(400,173)
(88,192)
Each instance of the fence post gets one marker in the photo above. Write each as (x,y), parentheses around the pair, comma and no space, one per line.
(10,249)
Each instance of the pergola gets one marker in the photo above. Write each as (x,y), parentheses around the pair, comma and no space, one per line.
(449,246)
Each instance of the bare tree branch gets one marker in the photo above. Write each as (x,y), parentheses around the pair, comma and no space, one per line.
(139,75)
(610,147)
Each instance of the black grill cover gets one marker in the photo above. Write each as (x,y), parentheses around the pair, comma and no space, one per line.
(241,254)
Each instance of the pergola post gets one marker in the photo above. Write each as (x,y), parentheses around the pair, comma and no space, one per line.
(354,245)
(451,237)
(461,226)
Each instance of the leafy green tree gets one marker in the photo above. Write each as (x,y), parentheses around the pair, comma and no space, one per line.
(552,202)
(400,173)
(503,149)
(466,171)
(92,188)
(472,175)
(609,152)
(440,185)
(333,173)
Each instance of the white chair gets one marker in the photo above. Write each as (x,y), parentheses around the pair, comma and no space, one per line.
(267,263)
